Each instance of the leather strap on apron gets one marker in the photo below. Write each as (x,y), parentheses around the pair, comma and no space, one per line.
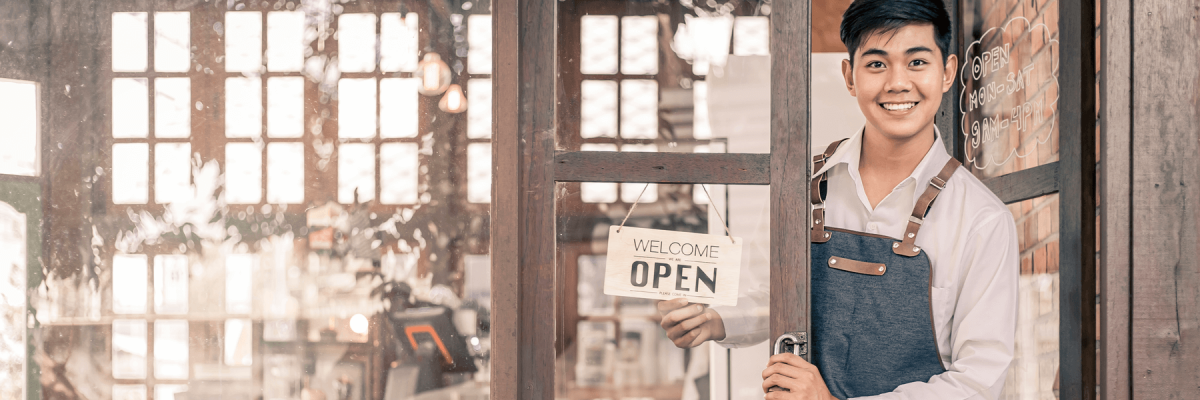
(819,235)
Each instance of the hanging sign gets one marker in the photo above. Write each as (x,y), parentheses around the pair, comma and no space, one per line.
(664,265)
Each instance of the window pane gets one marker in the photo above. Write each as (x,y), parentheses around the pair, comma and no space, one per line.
(479,172)
(398,163)
(243,41)
(129,284)
(172,172)
(356,173)
(285,41)
(639,109)
(710,41)
(598,44)
(598,109)
(479,108)
(171,284)
(239,283)
(700,127)
(129,36)
(598,192)
(243,107)
(171,349)
(19,111)
(356,42)
(479,40)
(130,108)
(592,300)
(398,115)
(130,173)
(399,45)
(243,173)
(237,342)
(356,108)
(167,392)
(172,41)
(285,173)
(639,45)
(129,350)
(128,392)
(750,36)
(285,107)
(172,107)
(13,292)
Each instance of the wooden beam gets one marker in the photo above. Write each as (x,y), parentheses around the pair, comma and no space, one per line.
(790,166)
(1025,184)
(1116,243)
(714,168)
(522,228)
(948,112)
(1165,259)
(1077,199)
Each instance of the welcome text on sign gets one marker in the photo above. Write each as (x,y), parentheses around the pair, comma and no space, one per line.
(648,263)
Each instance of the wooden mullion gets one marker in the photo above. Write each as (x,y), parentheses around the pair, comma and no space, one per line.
(1116,173)
(1026,184)
(1077,199)
(719,168)
(790,166)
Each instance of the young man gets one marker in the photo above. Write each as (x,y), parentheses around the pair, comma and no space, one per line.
(907,263)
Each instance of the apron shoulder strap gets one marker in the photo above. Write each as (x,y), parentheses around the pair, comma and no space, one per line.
(907,246)
(816,198)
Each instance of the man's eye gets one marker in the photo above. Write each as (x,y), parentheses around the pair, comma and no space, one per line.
(874,64)
(917,63)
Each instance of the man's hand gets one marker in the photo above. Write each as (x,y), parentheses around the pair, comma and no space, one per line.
(689,325)
(798,379)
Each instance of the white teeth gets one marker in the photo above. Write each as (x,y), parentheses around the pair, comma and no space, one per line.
(898,107)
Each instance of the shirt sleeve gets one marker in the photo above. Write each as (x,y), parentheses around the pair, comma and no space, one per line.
(984,322)
(747,323)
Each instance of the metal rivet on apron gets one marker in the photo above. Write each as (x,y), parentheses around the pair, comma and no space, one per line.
(916,249)
(832,260)
(911,235)
(881,268)
(895,245)
(826,234)
(817,221)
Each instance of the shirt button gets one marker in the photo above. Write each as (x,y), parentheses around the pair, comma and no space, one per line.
(873,227)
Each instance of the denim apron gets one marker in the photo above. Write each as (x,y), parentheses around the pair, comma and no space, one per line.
(872,321)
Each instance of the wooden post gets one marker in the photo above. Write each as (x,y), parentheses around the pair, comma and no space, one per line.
(1115,173)
(1165,40)
(790,166)
(522,211)
(1077,199)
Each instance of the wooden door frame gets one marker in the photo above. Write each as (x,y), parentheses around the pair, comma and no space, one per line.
(526,167)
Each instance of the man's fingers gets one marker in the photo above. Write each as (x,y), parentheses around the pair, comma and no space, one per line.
(681,314)
(787,370)
(781,381)
(791,359)
(687,325)
(667,306)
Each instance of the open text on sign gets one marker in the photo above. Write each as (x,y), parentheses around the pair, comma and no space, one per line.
(657,264)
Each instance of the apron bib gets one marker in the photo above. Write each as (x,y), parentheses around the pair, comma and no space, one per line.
(872,320)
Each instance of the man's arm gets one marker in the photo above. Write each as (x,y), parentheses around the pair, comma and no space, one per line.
(984,322)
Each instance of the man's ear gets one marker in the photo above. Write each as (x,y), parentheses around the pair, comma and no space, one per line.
(950,73)
(848,75)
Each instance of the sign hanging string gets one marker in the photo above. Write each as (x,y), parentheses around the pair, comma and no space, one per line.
(710,201)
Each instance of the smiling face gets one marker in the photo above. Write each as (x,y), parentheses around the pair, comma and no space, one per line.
(898,78)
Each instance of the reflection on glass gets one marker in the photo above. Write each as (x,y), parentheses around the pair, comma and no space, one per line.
(398,165)
(243,107)
(170,349)
(598,39)
(19,110)
(710,41)
(356,173)
(285,173)
(639,109)
(479,39)
(700,126)
(130,173)
(243,41)
(172,41)
(592,300)
(398,47)
(598,109)
(356,108)
(168,391)
(356,42)
(398,114)
(172,172)
(479,106)
(172,107)
(285,107)
(237,347)
(171,284)
(131,108)
(285,41)
(243,173)
(128,392)
(129,45)
(239,283)
(479,172)
(129,349)
(639,45)
(12,301)
(750,36)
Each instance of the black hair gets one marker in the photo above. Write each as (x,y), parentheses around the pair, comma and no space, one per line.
(868,17)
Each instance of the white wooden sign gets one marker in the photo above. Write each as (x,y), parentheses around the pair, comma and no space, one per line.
(663,265)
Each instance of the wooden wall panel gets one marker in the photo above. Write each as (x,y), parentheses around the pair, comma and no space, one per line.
(1166,250)
(522,249)
(1115,173)
(790,166)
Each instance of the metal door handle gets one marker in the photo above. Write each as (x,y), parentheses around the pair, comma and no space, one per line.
(791,342)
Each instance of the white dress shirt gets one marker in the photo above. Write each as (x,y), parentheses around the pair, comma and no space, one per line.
(971,240)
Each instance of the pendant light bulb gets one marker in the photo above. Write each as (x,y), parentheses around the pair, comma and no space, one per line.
(453,102)
(434,75)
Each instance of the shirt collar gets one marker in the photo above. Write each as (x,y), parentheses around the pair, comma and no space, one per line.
(850,152)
